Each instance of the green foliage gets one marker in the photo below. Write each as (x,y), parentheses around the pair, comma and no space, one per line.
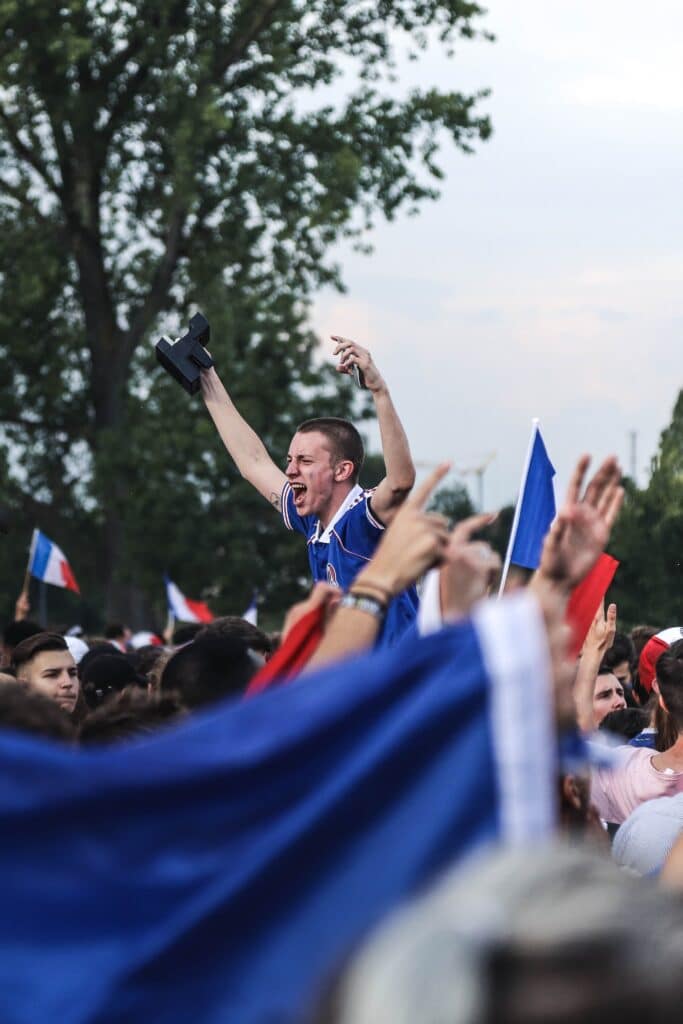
(453,502)
(648,538)
(163,154)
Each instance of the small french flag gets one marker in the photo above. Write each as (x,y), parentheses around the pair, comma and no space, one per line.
(182,608)
(48,562)
(535,508)
(251,614)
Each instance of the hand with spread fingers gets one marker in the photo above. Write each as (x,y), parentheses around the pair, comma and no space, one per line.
(583,525)
(415,541)
(469,571)
(352,354)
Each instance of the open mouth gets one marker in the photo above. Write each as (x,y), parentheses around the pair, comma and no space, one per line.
(298,490)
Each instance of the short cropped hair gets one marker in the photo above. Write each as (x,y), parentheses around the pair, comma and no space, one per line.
(345,441)
(30,648)
(208,669)
(240,629)
(626,722)
(670,682)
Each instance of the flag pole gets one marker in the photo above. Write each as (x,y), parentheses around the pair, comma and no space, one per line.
(170,626)
(27,575)
(518,508)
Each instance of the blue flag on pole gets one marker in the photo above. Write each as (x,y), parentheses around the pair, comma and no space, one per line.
(221,869)
(535,506)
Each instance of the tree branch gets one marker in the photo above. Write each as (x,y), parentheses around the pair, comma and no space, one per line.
(260,20)
(28,155)
(161,282)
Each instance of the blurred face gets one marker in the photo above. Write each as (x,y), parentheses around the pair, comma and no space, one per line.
(608,695)
(623,673)
(312,475)
(54,674)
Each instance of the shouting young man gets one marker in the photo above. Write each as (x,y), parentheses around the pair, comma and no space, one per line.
(318,494)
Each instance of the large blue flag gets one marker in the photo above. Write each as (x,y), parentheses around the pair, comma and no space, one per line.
(535,509)
(220,870)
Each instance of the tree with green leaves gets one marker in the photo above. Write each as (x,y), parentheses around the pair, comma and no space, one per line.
(648,538)
(158,155)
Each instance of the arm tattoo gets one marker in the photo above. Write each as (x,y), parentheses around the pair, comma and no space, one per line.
(275,501)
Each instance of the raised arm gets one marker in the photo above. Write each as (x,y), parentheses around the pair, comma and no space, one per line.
(397,484)
(244,445)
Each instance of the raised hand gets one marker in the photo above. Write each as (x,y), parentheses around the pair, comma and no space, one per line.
(583,525)
(602,631)
(415,541)
(351,354)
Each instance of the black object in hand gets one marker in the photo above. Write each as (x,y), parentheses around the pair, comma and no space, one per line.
(187,356)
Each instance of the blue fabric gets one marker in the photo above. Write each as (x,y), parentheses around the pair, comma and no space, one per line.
(647,738)
(352,544)
(41,555)
(537,508)
(218,871)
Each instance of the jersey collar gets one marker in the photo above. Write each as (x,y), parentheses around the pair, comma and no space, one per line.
(349,500)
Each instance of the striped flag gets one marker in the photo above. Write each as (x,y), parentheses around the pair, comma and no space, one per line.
(47,562)
(182,608)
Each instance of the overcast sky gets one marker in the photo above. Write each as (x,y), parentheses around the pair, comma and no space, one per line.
(547,279)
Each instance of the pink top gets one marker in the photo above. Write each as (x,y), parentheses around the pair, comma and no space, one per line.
(617,791)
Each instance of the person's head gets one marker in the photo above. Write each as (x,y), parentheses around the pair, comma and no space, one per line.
(208,669)
(44,663)
(27,711)
(145,659)
(669,683)
(640,635)
(237,627)
(13,634)
(108,674)
(132,712)
(324,459)
(650,654)
(608,695)
(626,722)
(619,659)
(186,632)
(537,935)
(118,632)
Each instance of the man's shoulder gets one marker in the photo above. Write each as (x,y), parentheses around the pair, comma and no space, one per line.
(357,505)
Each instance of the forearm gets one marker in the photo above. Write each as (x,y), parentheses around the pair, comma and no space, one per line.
(349,632)
(400,470)
(243,443)
(584,686)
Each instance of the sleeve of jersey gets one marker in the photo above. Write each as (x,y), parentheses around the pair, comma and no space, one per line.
(363,530)
(292,519)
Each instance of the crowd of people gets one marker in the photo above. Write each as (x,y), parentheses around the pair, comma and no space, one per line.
(429,811)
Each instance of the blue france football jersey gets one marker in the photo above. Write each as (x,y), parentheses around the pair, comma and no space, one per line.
(338,553)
